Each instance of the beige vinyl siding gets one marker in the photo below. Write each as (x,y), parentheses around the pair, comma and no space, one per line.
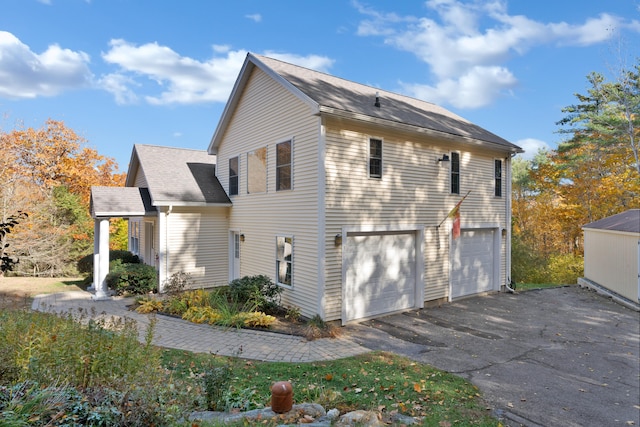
(611,260)
(266,115)
(198,244)
(413,191)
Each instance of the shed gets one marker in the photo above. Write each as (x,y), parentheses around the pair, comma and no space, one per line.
(612,257)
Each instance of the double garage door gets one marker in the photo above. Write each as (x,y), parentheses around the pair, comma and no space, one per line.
(380,273)
(473,262)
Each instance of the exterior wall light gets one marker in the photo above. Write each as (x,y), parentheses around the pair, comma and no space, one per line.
(445,158)
(338,240)
(242,237)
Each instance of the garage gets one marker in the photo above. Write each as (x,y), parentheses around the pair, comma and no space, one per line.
(473,262)
(380,273)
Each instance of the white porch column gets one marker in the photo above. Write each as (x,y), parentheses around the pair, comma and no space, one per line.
(103,260)
(96,255)
(163,255)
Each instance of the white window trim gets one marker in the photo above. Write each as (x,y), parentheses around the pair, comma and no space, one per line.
(451,153)
(284,285)
(369,157)
(266,166)
(275,180)
(239,171)
(493,181)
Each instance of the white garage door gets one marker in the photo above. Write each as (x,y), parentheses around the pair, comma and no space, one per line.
(472,262)
(380,274)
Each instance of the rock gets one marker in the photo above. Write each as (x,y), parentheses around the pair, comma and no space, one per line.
(310,412)
(361,419)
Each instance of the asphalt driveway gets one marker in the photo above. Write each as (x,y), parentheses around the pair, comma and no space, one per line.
(554,357)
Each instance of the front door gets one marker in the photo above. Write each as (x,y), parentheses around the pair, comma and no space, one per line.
(234,255)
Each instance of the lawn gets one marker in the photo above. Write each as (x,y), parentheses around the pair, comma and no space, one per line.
(53,365)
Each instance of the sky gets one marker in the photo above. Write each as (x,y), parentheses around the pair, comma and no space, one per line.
(124,72)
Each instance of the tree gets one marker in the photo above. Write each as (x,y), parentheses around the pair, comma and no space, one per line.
(8,262)
(49,172)
(609,115)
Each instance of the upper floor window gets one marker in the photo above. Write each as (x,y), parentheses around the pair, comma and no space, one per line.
(233,176)
(283,166)
(455,173)
(375,158)
(497,173)
(257,171)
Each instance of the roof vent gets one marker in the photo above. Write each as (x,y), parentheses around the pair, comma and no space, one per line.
(377,104)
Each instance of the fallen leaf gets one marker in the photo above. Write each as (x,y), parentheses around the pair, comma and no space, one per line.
(328,377)
(510,405)
(417,388)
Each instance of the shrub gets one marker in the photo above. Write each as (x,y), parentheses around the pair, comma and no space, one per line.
(258,319)
(202,315)
(85,264)
(133,279)
(177,282)
(216,385)
(259,290)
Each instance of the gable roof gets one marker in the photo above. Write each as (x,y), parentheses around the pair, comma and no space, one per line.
(326,94)
(628,222)
(120,202)
(177,176)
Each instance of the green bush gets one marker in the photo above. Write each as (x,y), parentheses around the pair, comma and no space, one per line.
(85,264)
(565,269)
(132,279)
(258,290)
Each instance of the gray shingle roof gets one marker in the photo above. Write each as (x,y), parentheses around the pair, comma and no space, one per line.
(178,176)
(120,202)
(628,221)
(347,96)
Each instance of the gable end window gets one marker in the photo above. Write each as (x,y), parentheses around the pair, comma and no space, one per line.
(233,176)
(375,158)
(497,173)
(284,260)
(283,166)
(455,173)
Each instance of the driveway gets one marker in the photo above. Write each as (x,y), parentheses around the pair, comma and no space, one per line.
(555,357)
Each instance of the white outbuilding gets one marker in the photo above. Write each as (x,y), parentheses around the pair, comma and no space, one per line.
(612,257)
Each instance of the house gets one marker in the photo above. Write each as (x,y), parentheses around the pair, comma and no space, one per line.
(612,257)
(338,191)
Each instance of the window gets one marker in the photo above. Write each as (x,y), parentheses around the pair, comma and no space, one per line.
(284,263)
(283,166)
(233,176)
(497,173)
(257,171)
(455,173)
(134,245)
(375,158)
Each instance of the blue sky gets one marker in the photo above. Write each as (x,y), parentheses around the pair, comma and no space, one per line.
(121,72)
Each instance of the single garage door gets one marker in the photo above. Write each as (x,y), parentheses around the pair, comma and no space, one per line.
(380,273)
(472,262)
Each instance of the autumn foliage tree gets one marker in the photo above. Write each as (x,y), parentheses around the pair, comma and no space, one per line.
(49,172)
(592,174)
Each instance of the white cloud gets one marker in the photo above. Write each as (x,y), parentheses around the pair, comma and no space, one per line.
(26,74)
(531,146)
(314,62)
(256,17)
(467,45)
(182,80)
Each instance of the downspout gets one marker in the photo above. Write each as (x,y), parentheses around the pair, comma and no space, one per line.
(508,226)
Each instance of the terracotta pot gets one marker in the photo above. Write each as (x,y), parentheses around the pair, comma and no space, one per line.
(281,397)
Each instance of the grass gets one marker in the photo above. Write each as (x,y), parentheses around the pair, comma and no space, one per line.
(94,372)
(376,381)
(532,286)
(100,373)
